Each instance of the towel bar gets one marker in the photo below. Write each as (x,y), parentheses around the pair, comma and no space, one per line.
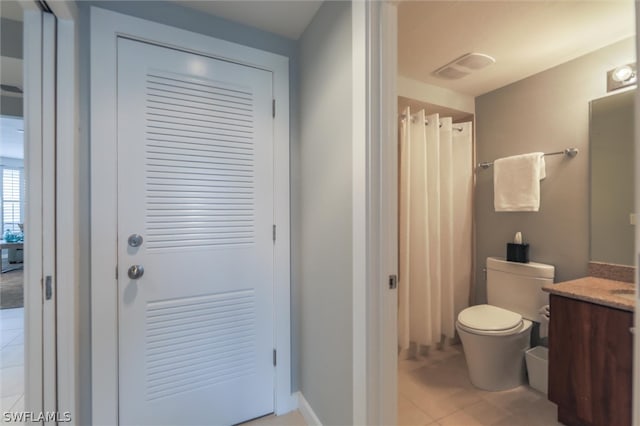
(569,152)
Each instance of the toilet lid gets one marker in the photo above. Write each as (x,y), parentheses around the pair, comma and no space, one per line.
(488,317)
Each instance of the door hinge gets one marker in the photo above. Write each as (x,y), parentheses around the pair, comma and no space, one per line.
(275,359)
(48,291)
(273,108)
(116,272)
(393,281)
(274,232)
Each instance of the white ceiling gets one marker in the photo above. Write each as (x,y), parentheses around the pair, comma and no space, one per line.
(286,18)
(525,37)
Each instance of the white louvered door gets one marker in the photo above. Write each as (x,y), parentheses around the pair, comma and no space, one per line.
(195,180)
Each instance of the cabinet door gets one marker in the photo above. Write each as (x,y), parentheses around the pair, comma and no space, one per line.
(590,351)
(611,373)
(570,343)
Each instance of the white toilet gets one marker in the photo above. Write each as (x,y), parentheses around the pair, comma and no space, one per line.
(495,336)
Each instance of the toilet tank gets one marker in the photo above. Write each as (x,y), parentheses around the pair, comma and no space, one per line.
(518,286)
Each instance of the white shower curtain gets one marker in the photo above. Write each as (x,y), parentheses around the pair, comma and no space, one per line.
(435,227)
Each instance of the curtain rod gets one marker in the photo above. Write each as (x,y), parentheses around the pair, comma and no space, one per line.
(426,122)
(569,152)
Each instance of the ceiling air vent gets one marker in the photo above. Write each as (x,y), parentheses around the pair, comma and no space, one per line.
(9,88)
(464,65)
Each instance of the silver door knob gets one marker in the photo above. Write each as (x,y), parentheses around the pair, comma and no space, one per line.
(135,272)
(135,240)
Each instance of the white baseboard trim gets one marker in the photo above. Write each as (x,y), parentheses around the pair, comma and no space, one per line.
(307,412)
(288,405)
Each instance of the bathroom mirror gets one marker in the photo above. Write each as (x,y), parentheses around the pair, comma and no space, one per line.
(611,143)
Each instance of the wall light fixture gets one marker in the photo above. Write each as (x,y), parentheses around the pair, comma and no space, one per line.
(622,76)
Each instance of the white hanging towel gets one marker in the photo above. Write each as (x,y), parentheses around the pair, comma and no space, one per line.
(516,182)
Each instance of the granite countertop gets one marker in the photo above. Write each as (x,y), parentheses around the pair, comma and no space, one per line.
(615,294)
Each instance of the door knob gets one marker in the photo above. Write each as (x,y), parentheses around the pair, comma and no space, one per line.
(135,272)
(135,240)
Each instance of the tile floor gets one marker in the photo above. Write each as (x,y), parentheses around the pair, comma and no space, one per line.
(436,391)
(432,391)
(293,418)
(11,359)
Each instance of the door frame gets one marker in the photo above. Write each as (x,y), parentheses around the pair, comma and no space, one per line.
(635,400)
(382,401)
(106,28)
(67,213)
(33,268)
(40,376)
(375,176)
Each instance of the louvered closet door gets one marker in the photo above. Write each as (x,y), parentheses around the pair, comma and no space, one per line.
(195,180)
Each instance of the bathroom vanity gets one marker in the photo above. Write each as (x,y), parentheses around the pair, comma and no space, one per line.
(590,351)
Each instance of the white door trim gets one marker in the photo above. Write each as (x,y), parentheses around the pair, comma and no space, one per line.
(33,219)
(40,141)
(382,178)
(635,401)
(106,27)
(383,402)
(49,366)
(67,205)
(360,209)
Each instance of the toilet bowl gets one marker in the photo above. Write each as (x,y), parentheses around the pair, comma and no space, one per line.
(496,335)
(494,342)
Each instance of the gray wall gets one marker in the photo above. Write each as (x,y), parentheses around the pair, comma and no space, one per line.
(10,105)
(11,38)
(177,16)
(325,299)
(11,46)
(546,112)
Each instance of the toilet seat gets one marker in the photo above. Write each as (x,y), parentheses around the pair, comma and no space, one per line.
(490,320)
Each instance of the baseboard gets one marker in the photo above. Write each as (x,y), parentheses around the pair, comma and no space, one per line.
(307,412)
(288,405)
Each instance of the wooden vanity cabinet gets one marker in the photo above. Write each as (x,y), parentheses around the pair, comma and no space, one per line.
(590,363)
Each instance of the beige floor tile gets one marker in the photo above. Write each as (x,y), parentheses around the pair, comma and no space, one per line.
(513,400)
(408,385)
(511,420)
(407,365)
(410,415)
(432,406)
(446,374)
(438,355)
(293,418)
(459,418)
(466,397)
(486,413)
(440,388)
(539,413)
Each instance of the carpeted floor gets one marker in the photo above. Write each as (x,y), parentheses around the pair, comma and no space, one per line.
(11,289)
